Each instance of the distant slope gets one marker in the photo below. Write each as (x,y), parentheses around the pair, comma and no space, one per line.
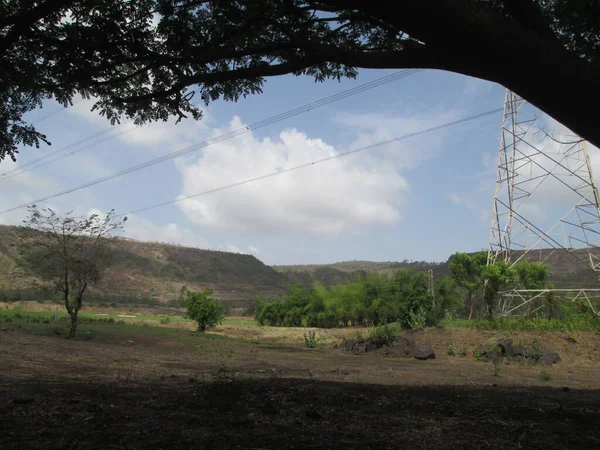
(330,274)
(161,270)
(567,269)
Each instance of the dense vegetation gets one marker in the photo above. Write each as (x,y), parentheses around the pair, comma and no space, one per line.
(373,299)
(410,299)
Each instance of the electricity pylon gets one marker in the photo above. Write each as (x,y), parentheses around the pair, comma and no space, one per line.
(545,201)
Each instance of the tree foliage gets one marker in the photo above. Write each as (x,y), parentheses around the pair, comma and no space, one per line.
(152,59)
(373,299)
(204,309)
(474,276)
(68,253)
(467,271)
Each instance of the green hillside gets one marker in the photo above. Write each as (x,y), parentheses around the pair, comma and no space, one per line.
(567,269)
(159,271)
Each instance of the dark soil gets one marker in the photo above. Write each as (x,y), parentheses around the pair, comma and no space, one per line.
(292,413)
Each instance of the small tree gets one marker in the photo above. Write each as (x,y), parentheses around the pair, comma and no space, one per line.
(68,253)
(466,271)
(204,309)
(496,276)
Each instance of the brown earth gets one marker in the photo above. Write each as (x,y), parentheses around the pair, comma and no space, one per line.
(126,386)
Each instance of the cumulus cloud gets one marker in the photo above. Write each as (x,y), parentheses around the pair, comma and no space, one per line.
(326,199)
(145,230)
(370,128)
(20,188)
(161,136)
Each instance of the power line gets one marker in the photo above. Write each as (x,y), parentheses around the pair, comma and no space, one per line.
(33,166)
(26,166)
(299,110)
(319,161)
(232,134)
(54,112)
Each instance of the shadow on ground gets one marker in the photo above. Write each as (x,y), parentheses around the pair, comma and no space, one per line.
(292,413)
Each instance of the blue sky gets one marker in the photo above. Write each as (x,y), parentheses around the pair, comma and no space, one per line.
(420,199)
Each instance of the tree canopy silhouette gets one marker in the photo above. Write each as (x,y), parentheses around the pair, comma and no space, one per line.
(149,60)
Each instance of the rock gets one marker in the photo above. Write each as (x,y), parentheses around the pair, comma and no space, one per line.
(349,344)
(530,353)
(415,330)
(360,346)
(371,345)
(517,351)
(424,351)
(548,358)
(401,340)
(506,348)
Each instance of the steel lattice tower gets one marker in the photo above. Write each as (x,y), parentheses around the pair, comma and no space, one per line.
(529,169)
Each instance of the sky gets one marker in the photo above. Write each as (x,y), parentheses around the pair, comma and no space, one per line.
(422,198)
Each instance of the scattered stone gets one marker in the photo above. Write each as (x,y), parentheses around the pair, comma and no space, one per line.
(415,330)
(424,351)
(350,344)
(506,348)
(401,340)
(548,358)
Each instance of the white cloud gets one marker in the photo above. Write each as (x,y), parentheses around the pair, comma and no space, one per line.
(21,188)
(461,200)
(162,136)
(144,230)
(328,198)
(232,248)
(253,249)
(371,128)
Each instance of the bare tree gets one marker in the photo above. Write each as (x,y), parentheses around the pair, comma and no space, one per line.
(68,253)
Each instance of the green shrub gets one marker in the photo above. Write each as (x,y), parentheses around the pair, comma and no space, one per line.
(572,336)
(113,305)
(384,333)
(110,320)
(545,375)
(165,320)
(204,309)
(18,316)
(463,350)
(451,349)
(310,340)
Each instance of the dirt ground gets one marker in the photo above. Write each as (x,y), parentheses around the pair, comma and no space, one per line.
(126,386)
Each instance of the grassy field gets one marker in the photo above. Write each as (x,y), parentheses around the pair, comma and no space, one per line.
(140,383)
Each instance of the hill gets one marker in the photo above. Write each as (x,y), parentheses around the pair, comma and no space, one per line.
(335,273)
(160,271)
(567,269)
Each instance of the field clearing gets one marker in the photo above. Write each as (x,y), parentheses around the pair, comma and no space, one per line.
(149,385)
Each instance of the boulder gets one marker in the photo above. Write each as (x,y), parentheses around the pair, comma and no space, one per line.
(548,358)
(360,346)
(371,344)
(424,351)
(506,348)
(401,340)
(349,345)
